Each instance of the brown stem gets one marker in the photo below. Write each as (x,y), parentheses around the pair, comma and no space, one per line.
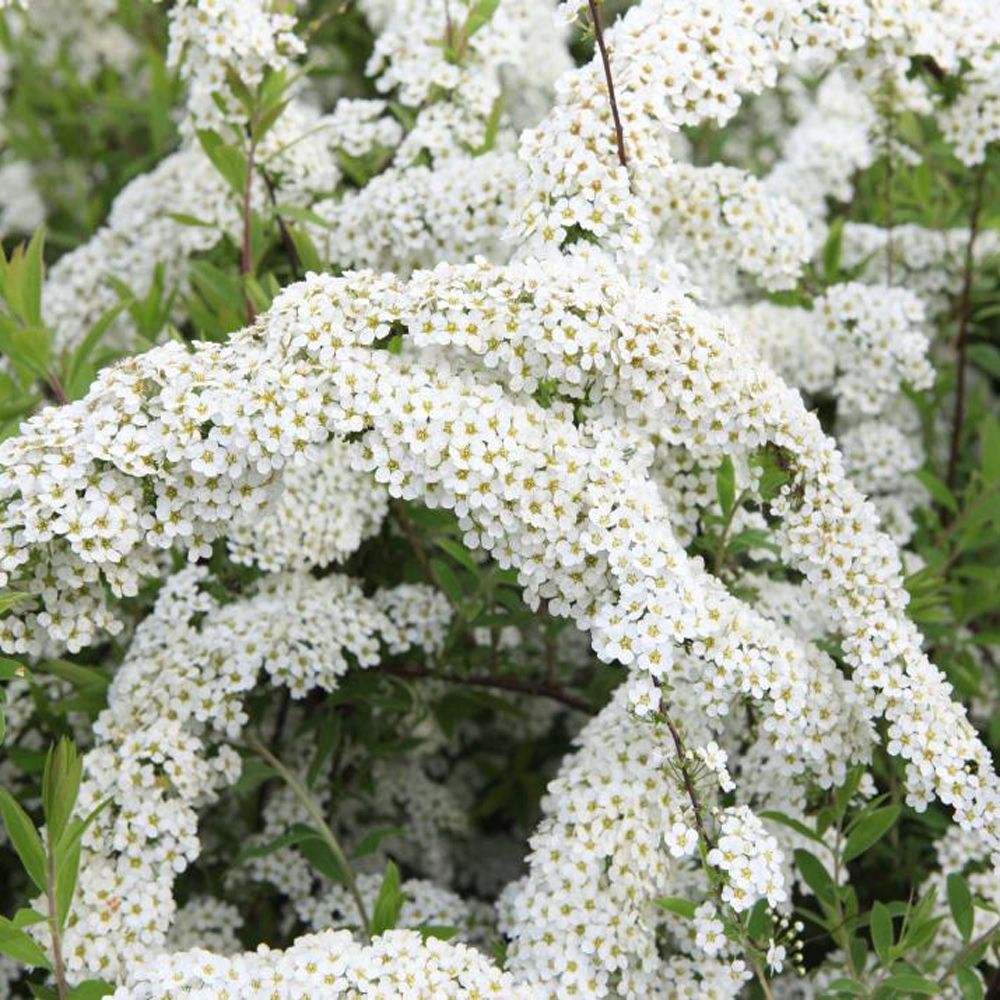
(57,389)
(402,517)
(692,792)
(595,15)
(500,682)
(286,237)
(974,945)
(58,966)
(964,318)
(246,255)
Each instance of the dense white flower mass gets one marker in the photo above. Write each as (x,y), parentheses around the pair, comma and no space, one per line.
(540,374)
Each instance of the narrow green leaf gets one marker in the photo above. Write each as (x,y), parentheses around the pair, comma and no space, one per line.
(67,872)
(371,841)
(25,838)
(725,483)
(480,14)
(11,598)
(815,875)
(389,902)
(60,786)
(92,989)
(20,946)
(938,490)
(970,984)
(961,906)
(677,904)
(880,924)
(907,982)
(869,829)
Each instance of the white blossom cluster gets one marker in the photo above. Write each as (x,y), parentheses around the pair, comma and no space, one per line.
(725,215)
(425,905)
(584,922)
(207,35)
(573,410)
(972,121)
(407,447)
(163,742)
(324,512)
(331,964)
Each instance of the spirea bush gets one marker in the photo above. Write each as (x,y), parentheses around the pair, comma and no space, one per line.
(499,499)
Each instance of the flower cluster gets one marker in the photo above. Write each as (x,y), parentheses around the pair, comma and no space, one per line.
(176,701)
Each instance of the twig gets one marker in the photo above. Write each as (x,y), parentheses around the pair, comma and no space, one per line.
(58,966)
(964,317)
(501,682)
(323,828)
(964,953)
(286,237)
(246,255)
(692,792)
(57,389)
(595,15)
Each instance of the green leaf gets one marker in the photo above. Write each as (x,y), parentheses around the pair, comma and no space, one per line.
(78,378)
(436,931)
(677,904)
(986,357)
(60,785)
(938,490)
(20,946)
(838,987)
(961,906)
(725,484)
(447,580)
(370,843)
(31,293)
(10,669)
(793,824)
(832,250)
(815,875)
(870,828)
(459,553)
(989,448)
(907,982)
(480,14)
(11,598)
(92,989)
(970,984)
(227,160)
(389,902)
(880,924)
(25,839)
(67,872)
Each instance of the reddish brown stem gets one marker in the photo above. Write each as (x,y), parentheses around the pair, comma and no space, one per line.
(499,682)
(964,319)
(595,15)
(246,255)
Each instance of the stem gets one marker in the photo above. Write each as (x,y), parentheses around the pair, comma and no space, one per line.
(765,986)
(58,967)
(302,794)
(964,317)
(286,237)
(595,15)
(57,389)
(246,256)
(692,792)
(888,194)
(500,682)
(964,953)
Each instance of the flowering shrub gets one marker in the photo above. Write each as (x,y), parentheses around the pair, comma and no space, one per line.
(499,498)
